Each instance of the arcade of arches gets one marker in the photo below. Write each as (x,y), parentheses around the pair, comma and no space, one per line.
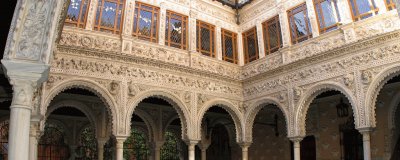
(200,79)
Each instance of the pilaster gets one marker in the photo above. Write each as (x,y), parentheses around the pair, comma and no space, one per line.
(218,41)
(344,11)
(91,14)
(284,22)
(240,49)
(127,27)
(312,17)
(260,40)
(381,5)
(161,30)
(192,31)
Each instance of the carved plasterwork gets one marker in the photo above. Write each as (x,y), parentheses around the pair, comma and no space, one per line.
(90,41)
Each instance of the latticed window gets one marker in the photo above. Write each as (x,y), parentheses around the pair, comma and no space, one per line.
(4,139)
(77,13)
(272,35)
(362,9)
(390,4)
(300,29)
(176,30)
(109,16)
(250,45)
(145,22)
(327,15)
(205,38)
(229,46)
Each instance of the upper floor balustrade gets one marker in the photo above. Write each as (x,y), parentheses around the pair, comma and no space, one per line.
(185,34)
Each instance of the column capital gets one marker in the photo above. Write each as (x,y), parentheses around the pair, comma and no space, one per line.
(296,139)
(191,142)
(364,130)
(245,144)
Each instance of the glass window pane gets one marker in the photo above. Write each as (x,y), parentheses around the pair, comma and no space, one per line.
(73,10)
(108,15)
(301,25)
(328,13)
(363,6)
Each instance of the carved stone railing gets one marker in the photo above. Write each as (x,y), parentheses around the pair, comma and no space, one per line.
(102,42)
(346,34)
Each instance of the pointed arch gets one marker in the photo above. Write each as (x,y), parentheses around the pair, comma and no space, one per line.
(255,107)
(171,98)
(374,90)
(228,106)
(310,94)
(87,84)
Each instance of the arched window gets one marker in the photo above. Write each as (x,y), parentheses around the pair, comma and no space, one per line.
(135,146)
(109,16)
(52,144)
(4,139)
(87,148)
(77,13)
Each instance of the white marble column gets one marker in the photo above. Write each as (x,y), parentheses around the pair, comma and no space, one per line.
(312,17)
(203,145)
(218,41)
(240,49)
(91,15)
(119,148)
(260,40)
(366,143)
(34,137)
(191,149)
(100,149)
(24,78)
(245,150)
(296,147)
(157,149)
(344,11)
(161,30)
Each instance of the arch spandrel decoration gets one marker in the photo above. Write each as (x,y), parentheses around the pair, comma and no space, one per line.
(90,85)
(310,94)
(256,106)
(233,111)
(374,89)
(171,98)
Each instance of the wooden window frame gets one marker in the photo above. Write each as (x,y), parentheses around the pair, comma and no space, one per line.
(224,34)
(267,44)
(391,5)
(250,32)
(80,23)
(294,38)
(155,10)
(115,29)
(184,36)
(357,16)
(211,28)
(323,28)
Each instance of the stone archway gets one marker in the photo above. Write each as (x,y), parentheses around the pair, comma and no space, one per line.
(306,99)
(172,99)
(233,111)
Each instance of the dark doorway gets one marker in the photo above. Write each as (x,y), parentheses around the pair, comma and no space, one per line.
(351,141)
(308,150)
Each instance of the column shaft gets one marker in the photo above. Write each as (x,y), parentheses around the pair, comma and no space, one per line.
(245,153)
(260,41)
(240,49)
(296,148)
(366,145)
(119,149)
(312,17)
(218,42)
